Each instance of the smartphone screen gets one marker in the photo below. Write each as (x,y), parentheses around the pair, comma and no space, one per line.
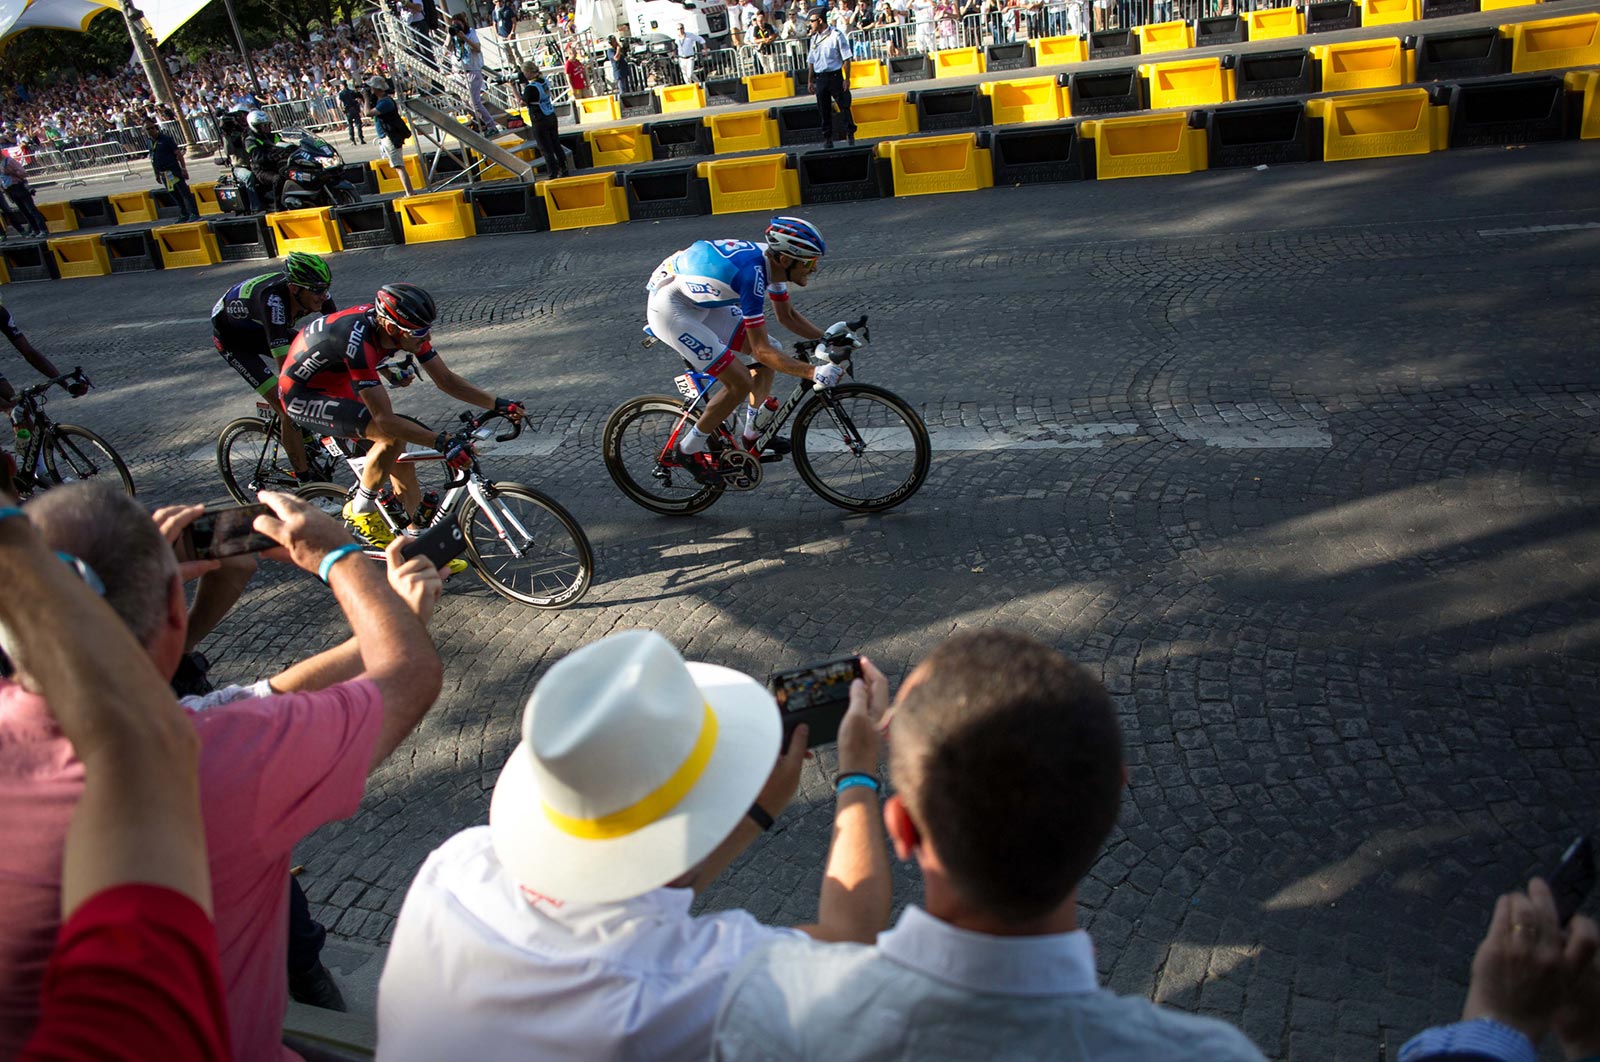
(817,695)
(224,532)
(1573,879)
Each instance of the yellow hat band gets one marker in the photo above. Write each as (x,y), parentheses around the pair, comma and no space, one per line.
(654,804)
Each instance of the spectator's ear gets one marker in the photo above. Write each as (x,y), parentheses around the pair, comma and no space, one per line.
(903,832)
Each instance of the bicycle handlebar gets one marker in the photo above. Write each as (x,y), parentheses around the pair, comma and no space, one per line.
(66,380)
(478,422)
(807,347)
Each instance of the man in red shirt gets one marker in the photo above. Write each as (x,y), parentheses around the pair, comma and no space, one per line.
(274,765)
(575,77)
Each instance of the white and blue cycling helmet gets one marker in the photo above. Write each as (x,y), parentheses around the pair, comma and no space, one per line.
(795,237)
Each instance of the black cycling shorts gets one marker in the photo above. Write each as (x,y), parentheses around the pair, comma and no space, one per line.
(247,351)
(343,418)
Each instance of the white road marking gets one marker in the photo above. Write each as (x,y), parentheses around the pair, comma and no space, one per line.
(161,324)
(1532,229)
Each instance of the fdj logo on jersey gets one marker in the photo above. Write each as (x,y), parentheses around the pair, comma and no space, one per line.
(701,289)
(694,345)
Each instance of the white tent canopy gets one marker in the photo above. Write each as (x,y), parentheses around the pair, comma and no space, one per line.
(598,17)
(75,15)
(167,16)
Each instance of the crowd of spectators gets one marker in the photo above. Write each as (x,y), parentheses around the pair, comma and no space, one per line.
(144,856)
(96,108)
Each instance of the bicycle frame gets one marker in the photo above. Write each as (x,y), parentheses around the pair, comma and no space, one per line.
(691,379)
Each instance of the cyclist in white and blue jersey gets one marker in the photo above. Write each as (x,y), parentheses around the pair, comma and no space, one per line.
(708,303)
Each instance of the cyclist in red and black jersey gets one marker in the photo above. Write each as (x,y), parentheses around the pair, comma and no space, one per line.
(330,384)
(8,394)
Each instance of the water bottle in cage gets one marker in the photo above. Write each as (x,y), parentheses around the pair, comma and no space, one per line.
(428,509)
(764,415)
(391,505)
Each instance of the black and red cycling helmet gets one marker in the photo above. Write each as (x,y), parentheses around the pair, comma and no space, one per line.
(406,306)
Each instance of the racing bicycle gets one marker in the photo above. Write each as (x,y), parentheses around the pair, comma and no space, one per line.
(522,543)
(860,447)
(53,453)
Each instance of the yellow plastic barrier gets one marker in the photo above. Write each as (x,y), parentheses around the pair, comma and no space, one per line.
(186,246)
(5,274)
(1029,99)
(599,109)
(312,229)
(1553,43)
(1275,22)
(676,98)
(1385,12)
(877,117)
(205,197)
(1588,83)
(760,182)
(389,178)
(80,256)
(868,73)
(583,202)
(1165,37)
(58,217)
(958,62)
(1188,83)
(526,150)
(1499,5)
(746,131)
(929,165)
(1053,51)
(1375,64)
(433,217)
(775,86)
(1145,146)
(1379,124)
(619,146)
(130,208)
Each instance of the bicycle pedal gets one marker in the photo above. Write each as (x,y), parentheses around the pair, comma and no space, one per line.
(770,458)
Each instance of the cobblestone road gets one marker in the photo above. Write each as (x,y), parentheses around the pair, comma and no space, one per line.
(1303,462)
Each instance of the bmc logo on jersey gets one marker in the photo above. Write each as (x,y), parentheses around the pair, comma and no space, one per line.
(301,407)
(695,345)
(700,289)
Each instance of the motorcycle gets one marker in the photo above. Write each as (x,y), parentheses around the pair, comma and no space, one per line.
(311,174)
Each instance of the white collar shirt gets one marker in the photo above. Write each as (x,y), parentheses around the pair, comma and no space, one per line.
(934,992)
(480,969)
(829,51)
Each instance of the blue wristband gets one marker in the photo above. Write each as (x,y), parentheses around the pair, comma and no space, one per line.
(334,557)
(8,511)
(857,780)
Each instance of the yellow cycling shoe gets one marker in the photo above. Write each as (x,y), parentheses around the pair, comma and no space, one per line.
(456,566)
(372,527)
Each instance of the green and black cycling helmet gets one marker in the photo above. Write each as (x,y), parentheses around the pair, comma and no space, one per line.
(308,271)
(407,306)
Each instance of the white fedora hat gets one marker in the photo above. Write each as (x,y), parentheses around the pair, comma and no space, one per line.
(633,766)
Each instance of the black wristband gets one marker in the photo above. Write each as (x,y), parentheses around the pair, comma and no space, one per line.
(759,816)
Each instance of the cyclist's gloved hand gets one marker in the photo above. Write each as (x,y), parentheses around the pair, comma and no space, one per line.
(825,376)
(457,451)
(510,407)
(78,387)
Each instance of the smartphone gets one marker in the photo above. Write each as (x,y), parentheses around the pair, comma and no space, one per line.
(817,695)
(1573,879)
(441,543)
(224,532)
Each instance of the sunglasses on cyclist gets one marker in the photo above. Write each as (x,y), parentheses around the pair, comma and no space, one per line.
(414,333)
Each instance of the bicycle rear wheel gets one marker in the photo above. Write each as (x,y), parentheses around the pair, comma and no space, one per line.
(328,497)
(635,439)
(73,453)
(861,448)
(527,547)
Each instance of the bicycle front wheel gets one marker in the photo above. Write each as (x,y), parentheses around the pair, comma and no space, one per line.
(636,437)
(73,453)
(861,448)
(251,459)
(527,547)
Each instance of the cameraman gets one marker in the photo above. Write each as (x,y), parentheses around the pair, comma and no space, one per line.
(536,97)
(264,157)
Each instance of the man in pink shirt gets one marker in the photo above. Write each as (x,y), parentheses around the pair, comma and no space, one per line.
(272,768)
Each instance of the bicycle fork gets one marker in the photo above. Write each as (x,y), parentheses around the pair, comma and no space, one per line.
(499,518)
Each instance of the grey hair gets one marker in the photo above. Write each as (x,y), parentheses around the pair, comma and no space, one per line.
(114,535)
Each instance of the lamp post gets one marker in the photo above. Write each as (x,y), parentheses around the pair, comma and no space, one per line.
(244,53)
(154,72)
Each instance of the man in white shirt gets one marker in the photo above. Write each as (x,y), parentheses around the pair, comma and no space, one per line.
(562,930)
(688,43)
(1007,759)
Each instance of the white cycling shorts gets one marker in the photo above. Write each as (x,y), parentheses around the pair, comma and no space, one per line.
(709,338)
